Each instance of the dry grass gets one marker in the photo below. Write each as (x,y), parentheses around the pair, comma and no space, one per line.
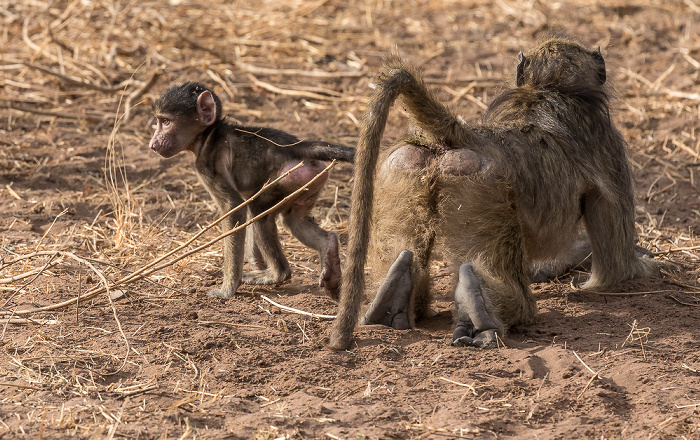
(78,78)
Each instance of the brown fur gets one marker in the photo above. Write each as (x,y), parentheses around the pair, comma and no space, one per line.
(552,164)
(235,162)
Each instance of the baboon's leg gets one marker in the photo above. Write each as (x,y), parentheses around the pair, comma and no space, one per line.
(610,227)
(577,258)
(475,326)
(390,306)
(252,251)
(267,243)
(305,229)
(402,220)
(482,238)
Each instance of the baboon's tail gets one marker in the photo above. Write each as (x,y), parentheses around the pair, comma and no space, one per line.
(323,151)
(394,81)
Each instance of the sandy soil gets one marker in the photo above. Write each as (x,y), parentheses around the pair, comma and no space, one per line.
(160,359)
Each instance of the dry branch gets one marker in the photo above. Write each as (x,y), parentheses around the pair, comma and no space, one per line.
(136,94)
(266,70)
(56,114)
(151,267)
(297,311)
(81,82)
(299,93)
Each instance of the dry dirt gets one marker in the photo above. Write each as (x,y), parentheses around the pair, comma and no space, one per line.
(163,360)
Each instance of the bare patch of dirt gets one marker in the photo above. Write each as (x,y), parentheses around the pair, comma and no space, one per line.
(160,359)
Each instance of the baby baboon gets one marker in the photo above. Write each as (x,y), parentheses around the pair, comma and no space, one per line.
(544,166)
(234,162)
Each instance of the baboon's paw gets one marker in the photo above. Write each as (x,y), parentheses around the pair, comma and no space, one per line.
(330,272)
(390,306)
(222,293)
(484,339)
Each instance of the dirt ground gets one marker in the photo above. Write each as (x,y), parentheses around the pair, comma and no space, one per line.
(83,202)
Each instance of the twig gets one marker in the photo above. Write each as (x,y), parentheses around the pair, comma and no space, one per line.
(473,390)
(679,249)
(646,292)
(682,302)
(311,95)
(56,114)
(300,312)
(584,364)
(151,267)
(27,387)
(596,375)
(269,71)
(41,270)
(29,321)
(28,274)
(690,369)
(295,72)
(82,83)
(231,324)
(136,94)
(638,334)
(111,303)
(249,222)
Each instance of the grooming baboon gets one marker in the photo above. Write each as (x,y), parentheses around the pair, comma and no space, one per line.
(544,166)
(234,162)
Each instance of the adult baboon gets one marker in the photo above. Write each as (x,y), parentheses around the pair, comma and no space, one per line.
(544,165)
(234,162)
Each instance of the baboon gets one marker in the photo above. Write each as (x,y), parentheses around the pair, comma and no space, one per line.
(233,162)
(545,166)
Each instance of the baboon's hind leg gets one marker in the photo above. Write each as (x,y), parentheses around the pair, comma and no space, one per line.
(391,305)
(475,327)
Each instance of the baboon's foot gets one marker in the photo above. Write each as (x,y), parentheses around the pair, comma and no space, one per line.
(390,306)
(579,258)
(227,290)
(475,326)
(330,270)
(465,336)
(267,276)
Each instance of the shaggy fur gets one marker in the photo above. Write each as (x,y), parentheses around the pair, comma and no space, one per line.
(553,165)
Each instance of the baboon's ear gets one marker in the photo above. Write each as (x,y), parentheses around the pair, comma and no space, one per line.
(206,108)
(519,80)
(602,76)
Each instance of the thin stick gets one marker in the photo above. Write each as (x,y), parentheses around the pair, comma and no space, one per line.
(249,222)
(29,321)
(114,309)
(473,390)
(681,302)
(647,292)
(266,70)
(584,364)
(595,376)
(680,249)
(136,94)
(80,82)
(56,114)
(149,268)
(19,289)
(300,312)
(312,95)
(231,324)
(28,274)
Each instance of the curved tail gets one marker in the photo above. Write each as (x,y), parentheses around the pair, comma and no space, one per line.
(320,150)
(396,80)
